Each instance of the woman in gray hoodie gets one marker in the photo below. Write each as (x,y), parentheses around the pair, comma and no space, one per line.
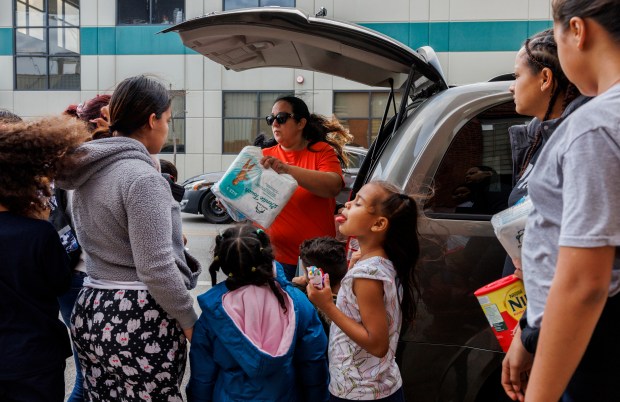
(132,320)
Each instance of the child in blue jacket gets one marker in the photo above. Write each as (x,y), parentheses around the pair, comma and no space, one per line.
(258,338)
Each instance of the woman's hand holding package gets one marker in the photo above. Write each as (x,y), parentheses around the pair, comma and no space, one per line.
(276,164)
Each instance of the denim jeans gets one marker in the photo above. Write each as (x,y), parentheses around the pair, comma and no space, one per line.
(66,302)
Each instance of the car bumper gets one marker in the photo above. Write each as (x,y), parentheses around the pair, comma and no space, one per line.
(191,201)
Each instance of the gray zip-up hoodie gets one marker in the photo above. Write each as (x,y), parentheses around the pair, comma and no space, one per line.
(129,224)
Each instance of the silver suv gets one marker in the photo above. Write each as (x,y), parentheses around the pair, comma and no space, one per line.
(450,144)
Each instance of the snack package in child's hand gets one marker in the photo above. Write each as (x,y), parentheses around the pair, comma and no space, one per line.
(315,277)
(249,191)
(509,226)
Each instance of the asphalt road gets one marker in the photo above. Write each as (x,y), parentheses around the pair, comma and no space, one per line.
(200,242)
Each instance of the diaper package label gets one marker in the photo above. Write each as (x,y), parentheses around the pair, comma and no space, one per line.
(509,226)
(249,191)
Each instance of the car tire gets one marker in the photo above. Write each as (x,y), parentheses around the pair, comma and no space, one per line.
(212,211)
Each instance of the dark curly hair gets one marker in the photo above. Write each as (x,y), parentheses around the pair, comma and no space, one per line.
(244,254)
(326,253)
(32,154)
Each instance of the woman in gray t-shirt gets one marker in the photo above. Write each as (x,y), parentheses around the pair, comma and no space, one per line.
(570,252)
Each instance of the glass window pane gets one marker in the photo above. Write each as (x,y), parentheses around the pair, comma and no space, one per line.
(64,40)
(238,133)
(267,99)
(281,3)
(30,13)
(358,129)
(375,125)
(240,104)
(30,73)
(64,12)
(178,104)
(167,11)
(20,14)
(378,100)
(351,104)
(30,40)
(234,4)
(64,73)
(264,129)
(176,134)
(133,11)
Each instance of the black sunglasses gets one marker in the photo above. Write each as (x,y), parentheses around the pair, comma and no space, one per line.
(281,118)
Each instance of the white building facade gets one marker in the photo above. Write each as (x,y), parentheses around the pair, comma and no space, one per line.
(54,53)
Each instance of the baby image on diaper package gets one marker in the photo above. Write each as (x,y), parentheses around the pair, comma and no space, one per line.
(249,191)
(509,226)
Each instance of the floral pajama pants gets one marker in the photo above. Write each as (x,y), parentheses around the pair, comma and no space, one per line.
(129,348)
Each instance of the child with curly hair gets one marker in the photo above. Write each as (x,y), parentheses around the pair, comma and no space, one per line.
(35,268)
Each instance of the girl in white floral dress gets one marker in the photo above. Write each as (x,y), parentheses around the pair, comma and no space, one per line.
(374,297)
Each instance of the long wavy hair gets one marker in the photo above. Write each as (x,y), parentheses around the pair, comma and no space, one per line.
(319,128)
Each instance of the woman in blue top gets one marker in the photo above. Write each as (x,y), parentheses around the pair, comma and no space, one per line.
(258,338)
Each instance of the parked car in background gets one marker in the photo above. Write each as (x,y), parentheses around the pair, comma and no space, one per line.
(199,199)
(430,143)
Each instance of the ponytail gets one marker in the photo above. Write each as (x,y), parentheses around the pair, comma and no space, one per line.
(401,243)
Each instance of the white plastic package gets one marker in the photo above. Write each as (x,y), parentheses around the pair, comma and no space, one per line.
(249,191)
(509,226)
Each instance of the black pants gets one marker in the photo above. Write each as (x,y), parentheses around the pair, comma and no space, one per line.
(45,387)
(597,375)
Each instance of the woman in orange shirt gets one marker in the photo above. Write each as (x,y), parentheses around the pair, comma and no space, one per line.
(309,148)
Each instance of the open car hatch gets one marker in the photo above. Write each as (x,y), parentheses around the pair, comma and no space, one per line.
(286,37)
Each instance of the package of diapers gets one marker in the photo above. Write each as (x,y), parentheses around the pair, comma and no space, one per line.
(509,226)
(249,191)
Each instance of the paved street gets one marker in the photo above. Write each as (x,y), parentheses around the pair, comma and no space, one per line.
(200,241)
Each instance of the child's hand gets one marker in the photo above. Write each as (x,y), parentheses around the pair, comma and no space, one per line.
(322,298)
(355,257)
(300,280)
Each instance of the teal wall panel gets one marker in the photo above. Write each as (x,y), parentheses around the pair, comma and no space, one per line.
(462,36)
(6,41)
(467,36)
(130,40)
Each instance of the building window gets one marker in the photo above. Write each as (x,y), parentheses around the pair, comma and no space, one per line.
(235,4)
(244,117)
(140,12)
(361,113)
(47,44)
(176,134)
